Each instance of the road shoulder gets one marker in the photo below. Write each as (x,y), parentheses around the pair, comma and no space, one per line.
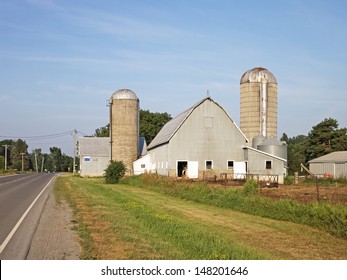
(54,238)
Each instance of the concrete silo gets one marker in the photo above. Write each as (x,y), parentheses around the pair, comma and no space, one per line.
(258,103)
(124,125)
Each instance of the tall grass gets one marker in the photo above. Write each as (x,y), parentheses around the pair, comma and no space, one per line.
(330,181)
(332,219)
(150,232)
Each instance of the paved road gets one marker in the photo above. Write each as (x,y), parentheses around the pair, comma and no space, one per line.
(22,198)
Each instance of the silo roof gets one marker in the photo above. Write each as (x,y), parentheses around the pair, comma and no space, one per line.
(258,75)
(272,141)
(124,94)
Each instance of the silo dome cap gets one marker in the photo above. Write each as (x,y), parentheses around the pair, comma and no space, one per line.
(258,75)
(124,94)
(272,141)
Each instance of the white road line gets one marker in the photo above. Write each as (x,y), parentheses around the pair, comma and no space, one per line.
(13,231)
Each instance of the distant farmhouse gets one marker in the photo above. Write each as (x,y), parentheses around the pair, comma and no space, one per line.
(201,142)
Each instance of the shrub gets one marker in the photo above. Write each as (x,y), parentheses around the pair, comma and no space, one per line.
(251,187)
(289,180)
(114,172)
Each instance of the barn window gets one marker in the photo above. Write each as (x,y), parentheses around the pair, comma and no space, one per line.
(268,164)
(143,165)
(208,164)
(230,164)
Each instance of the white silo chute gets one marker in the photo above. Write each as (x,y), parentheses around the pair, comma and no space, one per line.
(263,109)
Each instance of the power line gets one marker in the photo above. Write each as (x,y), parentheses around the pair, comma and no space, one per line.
(84,134)
(39,137)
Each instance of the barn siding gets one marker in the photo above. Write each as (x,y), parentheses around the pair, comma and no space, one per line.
(207,134)
(336,170)
(257,161)
(341,170)
(94,155)
(321,168)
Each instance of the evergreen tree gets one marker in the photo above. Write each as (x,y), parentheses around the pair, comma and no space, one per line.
(296,153)
(325,138)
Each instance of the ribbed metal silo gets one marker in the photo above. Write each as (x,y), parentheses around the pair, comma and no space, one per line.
(258,103)
(274,147)
(124,124)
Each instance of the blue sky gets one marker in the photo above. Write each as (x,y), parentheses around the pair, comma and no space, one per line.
(61,60)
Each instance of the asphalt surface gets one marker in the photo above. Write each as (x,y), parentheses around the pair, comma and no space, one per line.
(32,224)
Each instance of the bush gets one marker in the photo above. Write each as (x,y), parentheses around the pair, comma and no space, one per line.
(289,180)
(251,187)
(114,172)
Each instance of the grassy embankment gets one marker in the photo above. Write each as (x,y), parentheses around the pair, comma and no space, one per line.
(140,222)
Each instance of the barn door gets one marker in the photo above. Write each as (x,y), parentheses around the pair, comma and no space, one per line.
(240,167)
(193,169)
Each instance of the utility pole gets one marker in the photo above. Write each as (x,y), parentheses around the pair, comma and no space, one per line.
(37,170)
(22,154)
(43,160)
(74,151)
(6,146)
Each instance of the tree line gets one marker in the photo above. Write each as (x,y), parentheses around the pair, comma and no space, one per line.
(150,124)
(324,138)
(18,158)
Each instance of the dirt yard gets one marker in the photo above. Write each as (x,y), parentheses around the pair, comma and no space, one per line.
(334,194)
(331,194)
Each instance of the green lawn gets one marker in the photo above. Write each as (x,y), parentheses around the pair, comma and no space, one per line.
(125,222)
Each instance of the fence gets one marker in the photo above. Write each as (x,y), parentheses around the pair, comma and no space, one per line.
(264,180)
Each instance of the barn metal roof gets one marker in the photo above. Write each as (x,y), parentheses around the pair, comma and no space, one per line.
(332,157)
(171,127)
(271,141)
(263,153)
(94,146)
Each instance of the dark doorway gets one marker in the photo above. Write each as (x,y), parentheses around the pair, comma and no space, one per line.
(181,165)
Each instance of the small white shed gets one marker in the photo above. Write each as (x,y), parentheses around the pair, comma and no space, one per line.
(95,155)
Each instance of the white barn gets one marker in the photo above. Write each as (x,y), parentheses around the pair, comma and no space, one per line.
(201,142)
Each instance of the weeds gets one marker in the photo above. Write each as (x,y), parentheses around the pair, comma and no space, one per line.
(251,187)
(332,219)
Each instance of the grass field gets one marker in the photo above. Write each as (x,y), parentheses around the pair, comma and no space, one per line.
(127,222)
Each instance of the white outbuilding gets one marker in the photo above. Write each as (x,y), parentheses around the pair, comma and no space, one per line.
(333,164)
(95,155)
